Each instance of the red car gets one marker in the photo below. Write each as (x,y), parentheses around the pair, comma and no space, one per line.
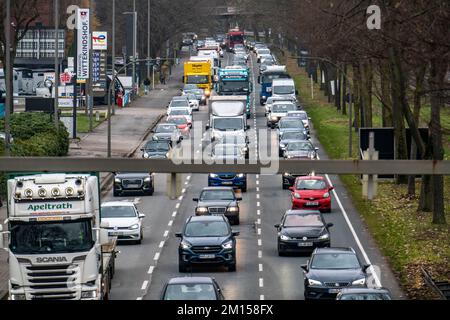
(182,123)
(311,193)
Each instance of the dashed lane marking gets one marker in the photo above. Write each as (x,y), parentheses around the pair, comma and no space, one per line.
(150,270)
(166,233)
(261,267)
(161,244)
(170,223)
(144,285)
(157,255)
(261,283)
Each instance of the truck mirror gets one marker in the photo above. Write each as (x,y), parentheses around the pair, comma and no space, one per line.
(104,237)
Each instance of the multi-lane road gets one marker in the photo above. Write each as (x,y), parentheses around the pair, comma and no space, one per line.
(142,270)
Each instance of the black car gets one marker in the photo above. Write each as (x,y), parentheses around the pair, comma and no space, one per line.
(332,269)
(156,149)
(302,231)
(364,294)
(289,179)
(192,289)
(290,136)
(207,240)
(133,183)
(219,201)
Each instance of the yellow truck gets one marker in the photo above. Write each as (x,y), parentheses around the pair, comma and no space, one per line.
(200,74)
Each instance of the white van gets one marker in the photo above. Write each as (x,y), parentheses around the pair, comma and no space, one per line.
(284,88)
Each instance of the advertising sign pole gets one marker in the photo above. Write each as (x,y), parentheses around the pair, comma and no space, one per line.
(75,73)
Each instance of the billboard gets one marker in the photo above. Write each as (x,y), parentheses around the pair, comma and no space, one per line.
(83,45)
(99,40)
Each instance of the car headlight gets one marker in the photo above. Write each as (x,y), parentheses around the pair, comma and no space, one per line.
(228,245)
(314,283)
(146,155)
(324,237)
(269,90)
(274,118)
(213,175)
(185,245)
(360,282)
(202,210)
(282,146)
(18,297)
(286,174)
(117,180)
(203,97)
(167,155)
(326,195)
(134,227)
(241,175)
(88,294)
(297,196)
(233,209)
(155,138)
(284,237)
(148,179)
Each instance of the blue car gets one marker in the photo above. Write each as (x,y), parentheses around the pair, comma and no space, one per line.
(236,181)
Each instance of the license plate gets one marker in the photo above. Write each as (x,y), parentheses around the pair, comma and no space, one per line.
(133,186)
(227,183)
(207,256)
(312,204)
(305,244)
(334,291)
(115,234)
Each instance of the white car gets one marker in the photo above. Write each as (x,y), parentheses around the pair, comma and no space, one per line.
(186,112)
(124,221)
(194,103)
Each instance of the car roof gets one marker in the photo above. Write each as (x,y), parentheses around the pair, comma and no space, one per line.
(118,204)
(365,290)
(299,212)
(334,250)
(311,178)
(284,102)
(166,124)
(178,98)
(217,188)
(207,219)
(191,280)
(283,82)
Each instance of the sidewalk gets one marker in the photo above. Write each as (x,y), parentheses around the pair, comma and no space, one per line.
(129,126)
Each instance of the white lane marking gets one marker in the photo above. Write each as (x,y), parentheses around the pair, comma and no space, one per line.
(257,183)
(257,189)
(261,297)
(188,178)
(261,267)
(258,221)
(259,232)
(166,233)
(258,212)
(259,243)
(174,214)
(259,254)
(161,244)
(186,183)
(157,255)
(183,191)
(178,206)
(355,236)
(257,176)
(261,282)
(150,270)
(258,204)
(198,151)
(144,285)
(180,199)
(170,223)
(257,196)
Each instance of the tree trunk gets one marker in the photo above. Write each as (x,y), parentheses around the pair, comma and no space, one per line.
(366,92)
(438,73)
(386,97)
(337,89)
(344,90)
(357,93)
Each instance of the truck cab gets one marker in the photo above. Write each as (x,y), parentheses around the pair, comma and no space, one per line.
(57,248)
(199,73)
(266,79)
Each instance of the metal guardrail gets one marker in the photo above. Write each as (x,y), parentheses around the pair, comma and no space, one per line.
(441,287)
(356,167)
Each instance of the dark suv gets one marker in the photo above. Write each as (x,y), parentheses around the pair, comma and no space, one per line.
(332,269)
(133,183)
(219,201)
(207,240)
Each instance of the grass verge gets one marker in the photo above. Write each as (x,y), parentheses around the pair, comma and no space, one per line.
(83,122)
(405,236)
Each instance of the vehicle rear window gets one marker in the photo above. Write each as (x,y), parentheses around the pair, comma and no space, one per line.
(303,220)
(118,212)
(190,292)
(217,195)
(335,261)
(311,185)
(206,229)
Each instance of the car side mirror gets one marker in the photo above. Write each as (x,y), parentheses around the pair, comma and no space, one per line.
(239,198)
(195,199)
(277,226)
(317,149)
(141,216)
(329,225)
(291,189)
(296,92)
(309,119)
(304,267)
(207,127)
(236,233)
(331,188)
(365,267)
(178,235)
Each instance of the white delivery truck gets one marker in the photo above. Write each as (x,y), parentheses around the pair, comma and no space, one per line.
(227,117)
(58,248)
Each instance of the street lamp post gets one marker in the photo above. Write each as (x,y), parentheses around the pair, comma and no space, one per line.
(113,54)
(56,82)
(8,68)
(148,37)
(134,13)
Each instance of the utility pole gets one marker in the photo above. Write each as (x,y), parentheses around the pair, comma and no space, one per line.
(134,45)
(56,80)
(113,56)
(8,70)
(148,38)
(89,93)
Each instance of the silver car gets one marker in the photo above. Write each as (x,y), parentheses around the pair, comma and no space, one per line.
(167,132)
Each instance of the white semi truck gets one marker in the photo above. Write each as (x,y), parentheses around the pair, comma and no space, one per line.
(58,247)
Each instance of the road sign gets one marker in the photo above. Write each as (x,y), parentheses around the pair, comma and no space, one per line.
(100,40)
(65,78)
(83,45)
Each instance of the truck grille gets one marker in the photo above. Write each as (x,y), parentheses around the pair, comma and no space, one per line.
(207,250)
(217,210)
(53,282)
(132,183)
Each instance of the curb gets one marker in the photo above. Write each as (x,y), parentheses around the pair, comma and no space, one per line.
(107,181)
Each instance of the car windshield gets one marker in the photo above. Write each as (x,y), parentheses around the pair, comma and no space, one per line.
(217,195)
(234,86)
(179,103)
(51,237)
(157,146)
(291,124)
(165,128)
(197,79)
(293,136)
(311,185)
(300,146)
(178,121)
(263,51)
(192,96)
(226,150)
(118,212)
(335,261)
(228,124)
(188,87)
(365,296)
(303,220)
(207,229)
(283,90)
(268,78)
(202,292)
(179,112)
(283,108)
(301,115)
